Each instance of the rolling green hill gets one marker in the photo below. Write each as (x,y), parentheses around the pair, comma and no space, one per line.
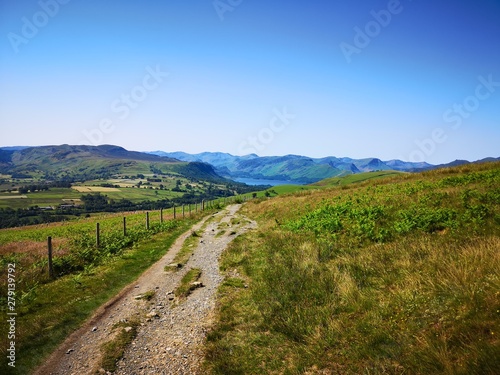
(89,162)
(49,183)
(355,178)
(293,168)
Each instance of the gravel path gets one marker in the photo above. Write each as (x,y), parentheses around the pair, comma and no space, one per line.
(170,338)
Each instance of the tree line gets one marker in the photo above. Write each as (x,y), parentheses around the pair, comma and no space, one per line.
(97,202)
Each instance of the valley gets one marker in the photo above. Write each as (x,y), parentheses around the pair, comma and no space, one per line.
(387,270)
(50,183)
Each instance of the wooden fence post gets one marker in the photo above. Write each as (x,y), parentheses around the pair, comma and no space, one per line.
(51,267)
(147,220)
(97,235)
(124,227)
(183,211)
(161,215)
(174,212)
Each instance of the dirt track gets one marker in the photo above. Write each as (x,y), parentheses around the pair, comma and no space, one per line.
(171,335)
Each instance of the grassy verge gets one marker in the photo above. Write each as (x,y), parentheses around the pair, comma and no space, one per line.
(148,296)
(113,350)
(187,249)
(56,309)
(398,276)
(69,229)
(356,178)
(187,283)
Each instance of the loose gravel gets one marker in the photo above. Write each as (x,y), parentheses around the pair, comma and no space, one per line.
(172,331)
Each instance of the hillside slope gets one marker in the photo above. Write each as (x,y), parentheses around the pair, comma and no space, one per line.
(356,178)
(90,162)
(293,168)
(390,276)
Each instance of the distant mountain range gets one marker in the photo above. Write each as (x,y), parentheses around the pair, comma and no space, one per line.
(299,169)
(81,163)
(294,168)
(86,161)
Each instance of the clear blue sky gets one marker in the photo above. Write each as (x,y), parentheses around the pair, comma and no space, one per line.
(390,79)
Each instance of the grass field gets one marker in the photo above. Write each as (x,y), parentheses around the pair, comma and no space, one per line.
(356,178)
(57,196)
(87,275)
(390,276)
(327,183)
(94,189)
(53,197)
(64,304)
(39,233)
(128,189)
(126,185)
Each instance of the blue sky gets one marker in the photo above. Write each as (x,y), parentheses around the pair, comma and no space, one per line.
(414,80)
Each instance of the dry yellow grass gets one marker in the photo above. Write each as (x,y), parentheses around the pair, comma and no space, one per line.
(34,248)
(13,196)
(93,189)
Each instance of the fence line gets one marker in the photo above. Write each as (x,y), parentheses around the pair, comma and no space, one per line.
(204,205)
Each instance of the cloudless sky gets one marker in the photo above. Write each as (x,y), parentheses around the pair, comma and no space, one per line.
(413,80)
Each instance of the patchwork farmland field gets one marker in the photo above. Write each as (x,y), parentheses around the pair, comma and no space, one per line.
(17,196)
(94,189)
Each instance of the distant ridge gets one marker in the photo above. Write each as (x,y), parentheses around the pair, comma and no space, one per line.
(14,148)
(73,161)
(80,163)
(301,169)
(455,163)
(292,168)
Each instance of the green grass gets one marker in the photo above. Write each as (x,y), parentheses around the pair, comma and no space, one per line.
(50,312)
(75,228)
(138,195)
(220,233)
(52,197)
(326,183)
(56,196)
(185,288)
(113,350)
(278,190)
(392,276)
(148,296)
(187,249)
(355,178)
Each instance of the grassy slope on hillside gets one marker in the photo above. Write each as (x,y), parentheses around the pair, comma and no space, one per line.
(77,228)
(395,276)
(327,183)
(47,310)
(356,178)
